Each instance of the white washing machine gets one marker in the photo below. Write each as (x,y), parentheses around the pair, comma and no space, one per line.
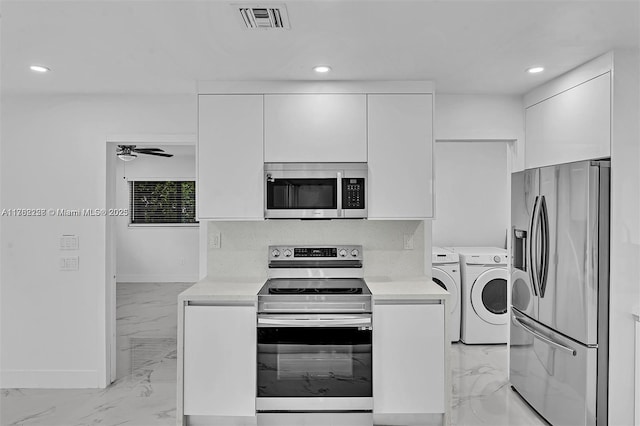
(446,273)
(484,273)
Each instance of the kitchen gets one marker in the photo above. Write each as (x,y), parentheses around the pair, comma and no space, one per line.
(76,127)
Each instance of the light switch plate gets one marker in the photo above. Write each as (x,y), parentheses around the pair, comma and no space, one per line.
(69,242)
(69,263)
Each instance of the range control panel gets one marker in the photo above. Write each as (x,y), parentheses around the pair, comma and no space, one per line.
(319,253)
(487,259)
(353,190)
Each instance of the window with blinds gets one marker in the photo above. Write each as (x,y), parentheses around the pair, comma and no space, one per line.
(162,202)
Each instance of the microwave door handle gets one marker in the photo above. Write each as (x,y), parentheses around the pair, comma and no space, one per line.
(339,193)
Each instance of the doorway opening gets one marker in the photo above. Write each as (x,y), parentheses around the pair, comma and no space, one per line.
(148,264)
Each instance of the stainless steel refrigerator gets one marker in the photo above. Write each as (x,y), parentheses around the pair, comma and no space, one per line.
(560,291)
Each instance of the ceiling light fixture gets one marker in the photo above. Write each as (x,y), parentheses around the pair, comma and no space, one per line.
(39,68)
(535,70)
(322,68)
(127,157)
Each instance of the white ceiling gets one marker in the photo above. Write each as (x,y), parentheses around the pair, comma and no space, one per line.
(161,46)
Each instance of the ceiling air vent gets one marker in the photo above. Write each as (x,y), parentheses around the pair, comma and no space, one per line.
(258,17)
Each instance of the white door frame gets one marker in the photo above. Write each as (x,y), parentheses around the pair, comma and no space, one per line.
(110,245)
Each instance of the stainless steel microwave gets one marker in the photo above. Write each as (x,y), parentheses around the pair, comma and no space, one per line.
(315,190)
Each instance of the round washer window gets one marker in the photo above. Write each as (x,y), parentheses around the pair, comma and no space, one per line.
(489,296)
(440,283)
(494,296)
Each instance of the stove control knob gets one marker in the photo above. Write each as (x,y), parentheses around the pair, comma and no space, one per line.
(342,253)
(496,259)
(275,253)
(287,253)
(355,252)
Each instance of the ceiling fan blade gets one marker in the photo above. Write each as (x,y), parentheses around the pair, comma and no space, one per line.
(148,150)
(159,154)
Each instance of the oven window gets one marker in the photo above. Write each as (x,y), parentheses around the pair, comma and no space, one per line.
(311,362)
(302,194)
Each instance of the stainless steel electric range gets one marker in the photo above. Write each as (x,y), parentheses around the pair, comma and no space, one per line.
(314,332)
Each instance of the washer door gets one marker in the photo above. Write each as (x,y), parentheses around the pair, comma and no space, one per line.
(522,296)
(447,282)
(489,296)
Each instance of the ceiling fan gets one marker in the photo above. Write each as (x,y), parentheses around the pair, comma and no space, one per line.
(128,152)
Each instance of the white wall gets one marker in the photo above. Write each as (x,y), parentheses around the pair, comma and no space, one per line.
(244,244)
(53,156)
(461,122)
(471,194)
(155,254)
(482,117)
(52,327)
(625,236)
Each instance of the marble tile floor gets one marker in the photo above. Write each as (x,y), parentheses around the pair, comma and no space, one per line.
(144,393)
(481,393)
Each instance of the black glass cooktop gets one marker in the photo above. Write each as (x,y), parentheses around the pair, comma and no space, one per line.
(310,286)
(317,290)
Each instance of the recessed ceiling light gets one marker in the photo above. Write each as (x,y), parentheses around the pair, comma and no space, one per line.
(39,68)
(322,68)
(535,70)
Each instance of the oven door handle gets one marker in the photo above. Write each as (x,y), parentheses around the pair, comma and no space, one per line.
(315,322)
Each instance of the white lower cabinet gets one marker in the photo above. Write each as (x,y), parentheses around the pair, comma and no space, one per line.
(220,360)
(408,357)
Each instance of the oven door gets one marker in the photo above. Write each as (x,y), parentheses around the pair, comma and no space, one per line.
(307,194)
(312,362)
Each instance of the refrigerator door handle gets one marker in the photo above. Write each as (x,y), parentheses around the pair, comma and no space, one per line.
(541,337)
(544,256)
(533,251)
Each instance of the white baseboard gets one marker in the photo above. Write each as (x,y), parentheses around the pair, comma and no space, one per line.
(408,419)
(49,379)
(157,278)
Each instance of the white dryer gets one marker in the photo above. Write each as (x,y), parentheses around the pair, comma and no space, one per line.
(484,274)
(445,272)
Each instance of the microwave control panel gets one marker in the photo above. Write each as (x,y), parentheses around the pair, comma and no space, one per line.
(353,190)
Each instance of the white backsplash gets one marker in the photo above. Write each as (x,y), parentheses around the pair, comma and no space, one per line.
(243,251)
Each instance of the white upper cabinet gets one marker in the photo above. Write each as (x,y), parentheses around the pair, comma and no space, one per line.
(570,126)
(230,158)
(400,156)
(315,128)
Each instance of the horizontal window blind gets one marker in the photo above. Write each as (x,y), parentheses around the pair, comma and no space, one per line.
(162,202)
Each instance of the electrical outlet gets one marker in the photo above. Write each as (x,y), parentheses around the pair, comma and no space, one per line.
(214,240)
(408,241)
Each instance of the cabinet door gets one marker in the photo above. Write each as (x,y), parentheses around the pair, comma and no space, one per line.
(571,126)
(400,156)
(220,360)
(408,358)
(230,160)
(315,128)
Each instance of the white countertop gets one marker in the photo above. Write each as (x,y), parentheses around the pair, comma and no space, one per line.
(405,288)
(224,289)
(246,289)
